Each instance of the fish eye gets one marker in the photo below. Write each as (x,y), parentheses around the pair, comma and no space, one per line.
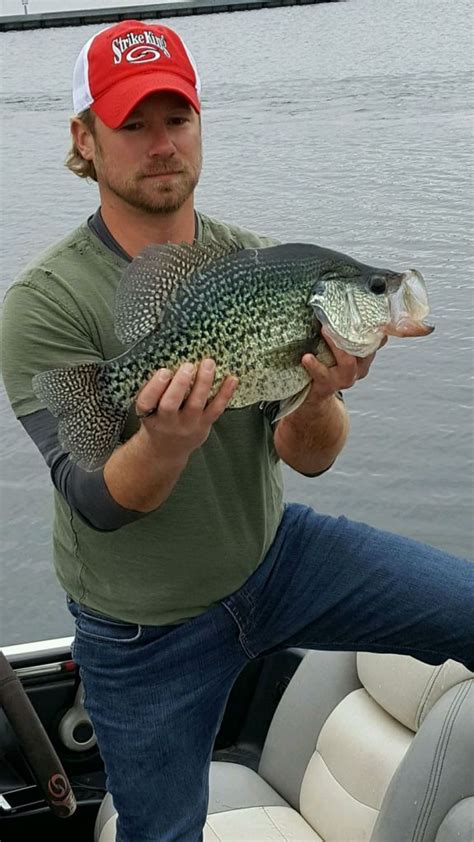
(377,285)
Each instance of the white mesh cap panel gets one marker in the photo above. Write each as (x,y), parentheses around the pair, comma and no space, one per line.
(81,92)
(193,65)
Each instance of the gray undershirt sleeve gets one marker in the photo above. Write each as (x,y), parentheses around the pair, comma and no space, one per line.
(84,491)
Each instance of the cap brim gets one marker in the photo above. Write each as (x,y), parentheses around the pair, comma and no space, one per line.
(116,104)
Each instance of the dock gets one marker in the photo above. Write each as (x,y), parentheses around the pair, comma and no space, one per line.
(158,11)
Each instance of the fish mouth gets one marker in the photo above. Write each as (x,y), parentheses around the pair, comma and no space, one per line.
(409,307)
(357,320)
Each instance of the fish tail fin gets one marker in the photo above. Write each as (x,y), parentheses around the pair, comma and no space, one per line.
(90,421)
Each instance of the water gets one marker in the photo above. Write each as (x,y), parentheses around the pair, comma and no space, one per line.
(344,124)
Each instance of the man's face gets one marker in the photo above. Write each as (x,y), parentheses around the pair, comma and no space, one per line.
(153,160)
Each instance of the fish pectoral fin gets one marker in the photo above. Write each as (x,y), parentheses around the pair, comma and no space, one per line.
(288,405)
(150,280)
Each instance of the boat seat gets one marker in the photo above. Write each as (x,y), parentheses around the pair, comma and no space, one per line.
(362,748)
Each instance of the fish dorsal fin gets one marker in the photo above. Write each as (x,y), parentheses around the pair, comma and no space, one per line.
(152,277)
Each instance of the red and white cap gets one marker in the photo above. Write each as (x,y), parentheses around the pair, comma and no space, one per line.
(122,64)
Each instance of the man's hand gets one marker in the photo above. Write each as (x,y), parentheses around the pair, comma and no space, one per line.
(342,375)
(141,474)
(310,439)
(184,413)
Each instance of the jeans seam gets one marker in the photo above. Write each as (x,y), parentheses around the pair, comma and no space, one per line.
(101,619)
(239,619)
(104,637)
(98,638)
(248,596)
(234,613)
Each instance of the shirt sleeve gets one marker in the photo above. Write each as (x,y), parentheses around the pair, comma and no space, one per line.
(39,332)
(85,491)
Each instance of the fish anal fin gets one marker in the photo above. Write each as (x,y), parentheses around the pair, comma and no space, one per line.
(288,405)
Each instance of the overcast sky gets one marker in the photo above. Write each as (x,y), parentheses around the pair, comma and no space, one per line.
(15,7)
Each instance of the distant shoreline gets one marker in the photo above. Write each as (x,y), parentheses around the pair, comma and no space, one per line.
(174,8)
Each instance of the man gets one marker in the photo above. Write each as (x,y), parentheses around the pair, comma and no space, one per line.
(179,559)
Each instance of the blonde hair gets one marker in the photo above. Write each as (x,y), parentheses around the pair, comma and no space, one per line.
(74,161)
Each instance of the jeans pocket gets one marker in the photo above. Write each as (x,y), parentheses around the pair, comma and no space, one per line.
(105,629)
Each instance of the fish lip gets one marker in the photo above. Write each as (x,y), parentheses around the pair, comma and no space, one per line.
(408,307)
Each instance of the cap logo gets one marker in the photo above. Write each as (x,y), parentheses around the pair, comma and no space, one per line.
(139,48)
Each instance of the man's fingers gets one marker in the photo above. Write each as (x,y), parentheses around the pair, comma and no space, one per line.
(350,368)
(314,366)
(363,366)
(178,389)
(199,395)
(151,393)
(218,404)
(189,387)
(342,357)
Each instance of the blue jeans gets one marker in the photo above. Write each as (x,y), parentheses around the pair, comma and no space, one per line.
(156,694)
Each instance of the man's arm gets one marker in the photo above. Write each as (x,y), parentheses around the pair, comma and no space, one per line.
(139,470)
(84,491)
(310,439)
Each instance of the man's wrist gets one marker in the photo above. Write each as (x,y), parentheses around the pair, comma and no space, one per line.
(310,438)
(140,475)
(314,407)
(144,447)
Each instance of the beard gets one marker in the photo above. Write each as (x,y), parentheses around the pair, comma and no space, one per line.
(153,196)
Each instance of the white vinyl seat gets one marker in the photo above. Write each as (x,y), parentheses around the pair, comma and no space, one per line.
(362,748)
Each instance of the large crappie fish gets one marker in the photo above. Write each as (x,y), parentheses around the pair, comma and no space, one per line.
(254,311)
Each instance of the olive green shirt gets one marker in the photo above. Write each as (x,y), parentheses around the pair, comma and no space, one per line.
(217,524)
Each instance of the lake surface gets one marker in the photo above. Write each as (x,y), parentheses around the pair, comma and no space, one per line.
(348,125)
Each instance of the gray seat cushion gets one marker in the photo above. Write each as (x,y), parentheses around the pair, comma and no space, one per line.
(459,823)
(435,776)
(232,786)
